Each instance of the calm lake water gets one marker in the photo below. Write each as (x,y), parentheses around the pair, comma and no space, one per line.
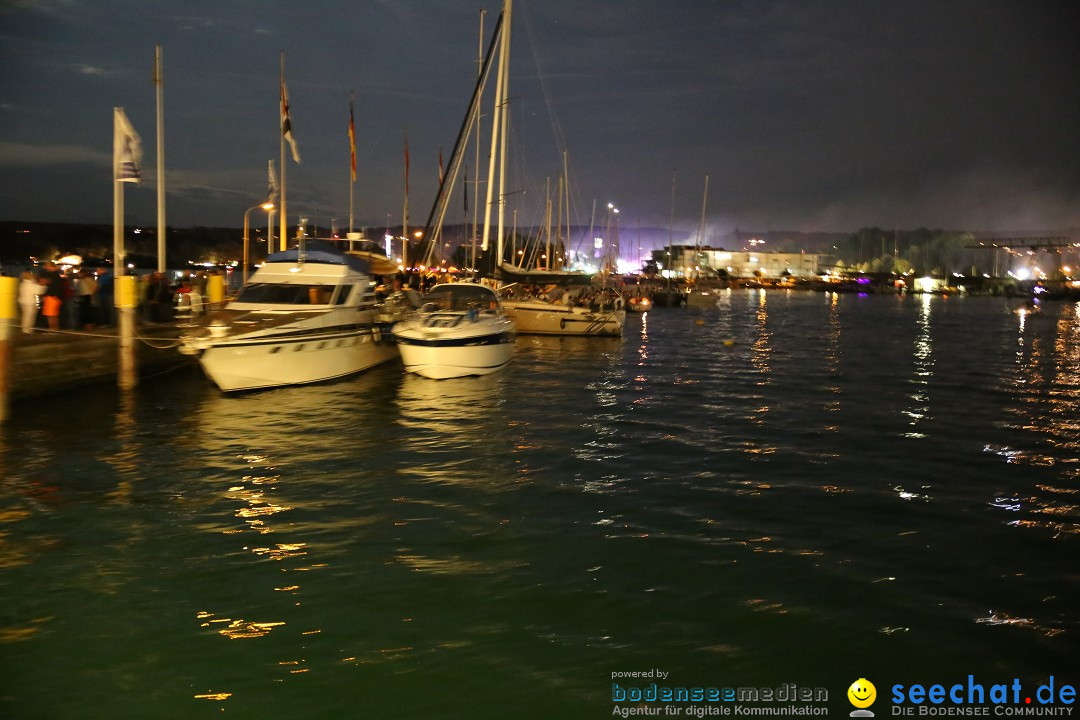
(791,488)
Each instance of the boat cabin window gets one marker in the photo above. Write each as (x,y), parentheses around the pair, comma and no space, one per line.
(343,294)
(285,294)
(461,297)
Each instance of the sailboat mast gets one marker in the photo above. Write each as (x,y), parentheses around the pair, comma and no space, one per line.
(433,227)
(476,147)
(701,227)
(566,244)
(504,121)
(496,117)
(671,230)
(558,223)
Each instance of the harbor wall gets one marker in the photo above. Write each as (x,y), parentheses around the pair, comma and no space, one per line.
(54,363)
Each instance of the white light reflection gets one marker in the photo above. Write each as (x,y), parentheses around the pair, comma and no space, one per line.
(760,355)
(919,408)
(832,356)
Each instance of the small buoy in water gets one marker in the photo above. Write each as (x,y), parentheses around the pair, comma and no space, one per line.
(699,321)
(729,343)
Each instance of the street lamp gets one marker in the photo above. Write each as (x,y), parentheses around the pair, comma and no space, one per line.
(247,215)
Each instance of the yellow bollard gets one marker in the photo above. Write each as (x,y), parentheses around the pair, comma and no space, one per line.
(215,290)
(9,288)
(126,302)
(124,292)
(9,293)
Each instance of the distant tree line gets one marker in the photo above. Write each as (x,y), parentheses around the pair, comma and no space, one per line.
(21,241)
(923,251)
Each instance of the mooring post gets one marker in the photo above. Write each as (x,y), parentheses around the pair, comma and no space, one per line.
(126,372)
(9,289)
(215,290)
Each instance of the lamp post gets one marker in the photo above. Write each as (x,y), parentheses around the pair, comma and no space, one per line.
(247,217)
(270,230)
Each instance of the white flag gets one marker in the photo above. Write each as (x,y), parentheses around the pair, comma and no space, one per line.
(272,191)
(286,122)
(127,149)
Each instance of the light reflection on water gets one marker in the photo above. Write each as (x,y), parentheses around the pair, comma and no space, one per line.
(763,492)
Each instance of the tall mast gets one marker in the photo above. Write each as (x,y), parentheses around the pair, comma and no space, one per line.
(433,227)
(505,120)
(671,226)
(566,245)
(476,164)
(159,82)
(547,221)
(495,127)
(701,228)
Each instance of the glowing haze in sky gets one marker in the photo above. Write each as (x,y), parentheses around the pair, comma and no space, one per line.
(827,115)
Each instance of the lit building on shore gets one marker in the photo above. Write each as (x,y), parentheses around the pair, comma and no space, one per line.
(689,261)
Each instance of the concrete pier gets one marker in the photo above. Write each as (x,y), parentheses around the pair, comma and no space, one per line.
(44,362)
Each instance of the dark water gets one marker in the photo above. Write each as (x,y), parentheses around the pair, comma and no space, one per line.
(794,488)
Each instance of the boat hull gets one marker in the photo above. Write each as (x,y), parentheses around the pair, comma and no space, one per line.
(533,318)
(441,358)
(238,365)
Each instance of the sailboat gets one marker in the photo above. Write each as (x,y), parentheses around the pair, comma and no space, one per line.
(546,301)
(461,328)
(701,294)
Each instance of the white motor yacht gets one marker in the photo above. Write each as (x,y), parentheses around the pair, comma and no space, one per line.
(461,330)
(309,314)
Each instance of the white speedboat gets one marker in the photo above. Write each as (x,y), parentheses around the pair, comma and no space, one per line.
(309,314)
(461,330)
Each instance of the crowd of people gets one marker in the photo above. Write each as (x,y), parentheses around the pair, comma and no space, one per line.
(67,298)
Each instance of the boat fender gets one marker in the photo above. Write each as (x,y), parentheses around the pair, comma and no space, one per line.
(376,333)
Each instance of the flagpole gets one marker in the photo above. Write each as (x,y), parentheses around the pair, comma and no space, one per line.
(405,210)
(284,214)
(352,160)
(159,81)
(118,200)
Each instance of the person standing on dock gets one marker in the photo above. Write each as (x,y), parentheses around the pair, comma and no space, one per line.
(30,289)
(86,296)
(53,297)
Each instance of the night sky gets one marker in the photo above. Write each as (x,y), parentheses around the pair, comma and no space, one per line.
(833,115)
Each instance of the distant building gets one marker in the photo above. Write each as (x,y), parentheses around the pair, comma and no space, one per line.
(691,261)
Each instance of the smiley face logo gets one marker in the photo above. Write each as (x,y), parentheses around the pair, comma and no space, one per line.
(862,693)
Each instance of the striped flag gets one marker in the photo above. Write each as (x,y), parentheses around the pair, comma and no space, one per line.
(352,140)
(286,122)
(127,149)
(272,190)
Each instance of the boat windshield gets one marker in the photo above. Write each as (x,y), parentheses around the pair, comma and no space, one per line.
(285,294)
(461,297)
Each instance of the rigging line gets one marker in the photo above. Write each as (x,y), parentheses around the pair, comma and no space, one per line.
(556,128)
